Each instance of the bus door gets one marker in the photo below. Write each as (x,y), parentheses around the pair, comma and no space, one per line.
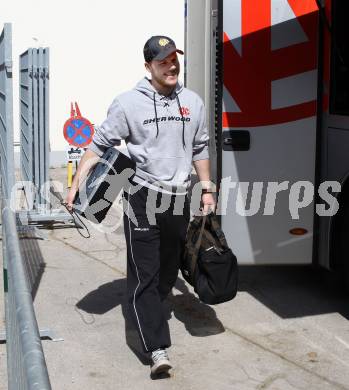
(269,120)
(335,120)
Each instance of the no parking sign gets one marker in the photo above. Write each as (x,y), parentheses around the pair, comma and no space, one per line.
(77,130)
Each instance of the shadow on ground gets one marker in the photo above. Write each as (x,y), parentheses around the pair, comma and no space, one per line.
(295,291)
(199,319)
(289,291)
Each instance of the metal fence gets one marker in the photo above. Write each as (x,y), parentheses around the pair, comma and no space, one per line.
(6,113)
(26,365)
(34,123)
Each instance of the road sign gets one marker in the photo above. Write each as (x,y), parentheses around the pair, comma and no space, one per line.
(77,130)
(74,154)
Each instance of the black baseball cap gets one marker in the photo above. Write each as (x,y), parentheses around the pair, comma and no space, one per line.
(159,47)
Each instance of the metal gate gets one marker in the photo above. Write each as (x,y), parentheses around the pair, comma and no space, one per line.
(35,146)
(34,122)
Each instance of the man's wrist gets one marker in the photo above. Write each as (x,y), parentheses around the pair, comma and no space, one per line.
(207,187)
(207,191)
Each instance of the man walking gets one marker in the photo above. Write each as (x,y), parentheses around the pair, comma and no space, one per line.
(163,125)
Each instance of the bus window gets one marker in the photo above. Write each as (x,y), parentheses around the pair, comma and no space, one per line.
(339,87)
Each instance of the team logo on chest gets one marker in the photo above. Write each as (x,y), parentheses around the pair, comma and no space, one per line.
(184,111)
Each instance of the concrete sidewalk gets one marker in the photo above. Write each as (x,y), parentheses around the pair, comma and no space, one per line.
(286,329)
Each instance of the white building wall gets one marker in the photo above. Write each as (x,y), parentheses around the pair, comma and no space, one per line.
(96,50)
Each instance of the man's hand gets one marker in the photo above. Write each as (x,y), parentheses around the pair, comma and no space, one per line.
(87,162)
(208,203)
(70,198)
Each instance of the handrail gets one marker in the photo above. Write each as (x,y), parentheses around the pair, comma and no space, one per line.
(22,319)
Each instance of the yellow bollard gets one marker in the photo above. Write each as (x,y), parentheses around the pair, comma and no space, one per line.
(70,173)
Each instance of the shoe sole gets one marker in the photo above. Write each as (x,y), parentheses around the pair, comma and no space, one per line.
(161,368)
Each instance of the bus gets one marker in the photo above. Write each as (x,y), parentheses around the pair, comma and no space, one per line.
(274,76)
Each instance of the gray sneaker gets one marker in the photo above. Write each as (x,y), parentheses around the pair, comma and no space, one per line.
(161,362)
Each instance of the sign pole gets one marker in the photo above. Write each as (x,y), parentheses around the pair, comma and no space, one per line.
(70,173)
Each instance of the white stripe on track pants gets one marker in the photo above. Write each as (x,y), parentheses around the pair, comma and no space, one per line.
(154,252)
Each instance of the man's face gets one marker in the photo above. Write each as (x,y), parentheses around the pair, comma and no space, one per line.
(165,72)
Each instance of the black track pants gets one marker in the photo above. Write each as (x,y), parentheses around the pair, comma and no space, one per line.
(154,250)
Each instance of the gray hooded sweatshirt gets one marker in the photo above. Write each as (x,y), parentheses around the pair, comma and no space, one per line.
(163,134)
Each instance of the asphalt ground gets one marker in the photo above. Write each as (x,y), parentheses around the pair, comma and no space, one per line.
(286,329)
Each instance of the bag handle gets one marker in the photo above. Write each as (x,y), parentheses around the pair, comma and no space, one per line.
(194,257)
(215,227)
(217,230)
(198,242)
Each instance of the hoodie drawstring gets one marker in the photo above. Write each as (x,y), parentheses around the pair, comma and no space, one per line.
(180,111)
(156,117)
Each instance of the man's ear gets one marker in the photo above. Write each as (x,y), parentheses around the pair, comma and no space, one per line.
(147,66)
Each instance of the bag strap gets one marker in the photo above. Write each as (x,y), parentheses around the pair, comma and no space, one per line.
(198,242)
(192,232)
(211,218)
(194,256)
(217,230)
(210,238)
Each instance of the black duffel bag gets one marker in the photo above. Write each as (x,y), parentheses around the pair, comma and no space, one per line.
(208,263)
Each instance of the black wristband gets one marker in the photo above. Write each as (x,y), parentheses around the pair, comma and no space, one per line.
(206,191)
